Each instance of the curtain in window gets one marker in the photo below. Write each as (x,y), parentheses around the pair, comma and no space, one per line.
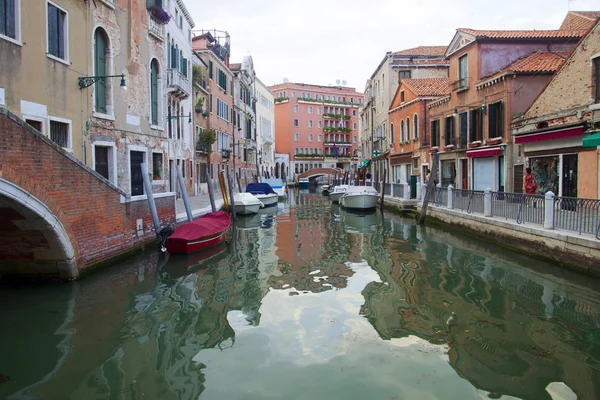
(100,70)
(7,18)
(154,92)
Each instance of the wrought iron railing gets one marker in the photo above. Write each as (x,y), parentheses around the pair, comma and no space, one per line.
(579,215)
(520,207)
(440,196)
(468,200)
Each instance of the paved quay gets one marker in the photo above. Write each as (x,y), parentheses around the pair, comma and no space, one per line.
(199,204)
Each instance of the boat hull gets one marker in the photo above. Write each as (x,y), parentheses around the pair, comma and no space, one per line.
(246,209)
(268,199)
(199,234)
(181,246)
(359,201)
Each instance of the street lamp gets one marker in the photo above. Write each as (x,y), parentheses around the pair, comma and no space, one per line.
(170,117)
(87,81)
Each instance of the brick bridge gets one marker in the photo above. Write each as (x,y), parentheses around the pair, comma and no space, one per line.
(58,217)
(315,172)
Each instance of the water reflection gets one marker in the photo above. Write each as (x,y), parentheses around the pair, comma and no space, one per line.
(307,300)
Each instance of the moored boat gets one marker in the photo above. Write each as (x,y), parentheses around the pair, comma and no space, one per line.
(303,183)
(326,189)
(201,233)
(359,198)
(246,203)
(337,192)
(263,192)
(278,186)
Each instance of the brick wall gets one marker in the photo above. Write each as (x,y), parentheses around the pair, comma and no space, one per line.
(97,222)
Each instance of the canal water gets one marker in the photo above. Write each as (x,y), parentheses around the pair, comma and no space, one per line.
(307,301)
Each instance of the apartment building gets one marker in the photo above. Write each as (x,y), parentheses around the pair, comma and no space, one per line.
(265,126)
(317,126)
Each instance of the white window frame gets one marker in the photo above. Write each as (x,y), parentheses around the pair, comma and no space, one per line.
(141,149)
(17,39)
(112,159)
(319,110)
(64,121)
(319,124)
(296,137)
(310,109)
(110,109)
(162,173)
(310,124)
(310,137)
(44,131)
(319,138)
(295,108)
(66,60)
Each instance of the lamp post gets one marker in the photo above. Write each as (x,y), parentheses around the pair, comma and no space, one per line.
(87,81)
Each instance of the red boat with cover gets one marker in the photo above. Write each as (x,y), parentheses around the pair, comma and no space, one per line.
(201,233)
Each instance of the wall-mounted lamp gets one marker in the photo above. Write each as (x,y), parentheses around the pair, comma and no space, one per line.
(170,117)
(87,81)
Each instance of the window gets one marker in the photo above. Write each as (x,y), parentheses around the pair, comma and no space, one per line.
(102,156)
(211,103)
(435,133)
(407,128)
(157,162)
(210,69)
(310,137)
(354,113)
(354,125)
(320,124)
(416,126)
(449,131)
(597,79)
(475,125)
(463,72)
(463,120)
(296,108)
(353,139)
(320,137)
(402,131)
(403,75)
(154,92)
(293,94)
(402,96)
(37,125)
(295,122)
(310,109)
(319,110)
(222,79)
(391,133)
(360,101)
(136,158)
(295,137)
(310,123)
(59,133)
(9,21)
(495,120)
(100,69)
(222,109)
(57,32)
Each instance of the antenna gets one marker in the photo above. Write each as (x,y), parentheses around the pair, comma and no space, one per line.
(285,80)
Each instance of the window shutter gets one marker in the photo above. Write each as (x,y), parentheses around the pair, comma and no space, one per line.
(100,61)
(210,71)
(492,121)
(472,126)
(500,132)
(52,34)
(60,33)
(7,18)
(154,93)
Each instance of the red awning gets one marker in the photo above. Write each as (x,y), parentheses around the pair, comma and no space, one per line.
(549,135)
(485,152)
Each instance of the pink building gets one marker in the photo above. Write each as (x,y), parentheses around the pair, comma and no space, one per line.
(317,125)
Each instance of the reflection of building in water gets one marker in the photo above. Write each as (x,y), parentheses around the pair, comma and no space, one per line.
(516,331)
(311,238)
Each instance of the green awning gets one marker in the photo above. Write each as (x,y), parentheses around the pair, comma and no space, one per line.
(364,164)
(592,141)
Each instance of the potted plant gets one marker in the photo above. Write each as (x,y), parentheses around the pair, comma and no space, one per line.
(199,104)
(159,14)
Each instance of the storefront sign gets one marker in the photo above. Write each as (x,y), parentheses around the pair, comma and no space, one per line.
(485,152)
(549,135)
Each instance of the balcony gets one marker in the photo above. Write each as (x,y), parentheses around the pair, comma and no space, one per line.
(267,138)
(155,28)
(202,148)
(225,154)
(338,144)
(460,85)
(178,83)
(337,160)
(250,144)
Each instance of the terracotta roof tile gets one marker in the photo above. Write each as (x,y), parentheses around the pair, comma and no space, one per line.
(427,51)
(422,61)
(533,34)
(428,86)
(580,20)
(536,62)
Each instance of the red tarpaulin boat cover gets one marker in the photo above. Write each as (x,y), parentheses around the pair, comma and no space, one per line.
(204,227)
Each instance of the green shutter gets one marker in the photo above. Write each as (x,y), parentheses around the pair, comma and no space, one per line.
(210,70)
(100,70)
(500,119)
(154,92)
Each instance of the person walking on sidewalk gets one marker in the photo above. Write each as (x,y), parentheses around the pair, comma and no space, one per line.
(529,184)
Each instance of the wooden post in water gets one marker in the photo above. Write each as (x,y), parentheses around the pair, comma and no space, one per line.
(223,191)
(430,186)
(211,195)
(383,187)
(231,197)
(245,179)
(364,178)
(237,178)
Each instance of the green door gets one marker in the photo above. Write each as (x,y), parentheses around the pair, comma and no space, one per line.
(413,186)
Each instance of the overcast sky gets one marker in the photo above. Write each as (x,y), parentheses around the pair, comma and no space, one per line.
(321,41)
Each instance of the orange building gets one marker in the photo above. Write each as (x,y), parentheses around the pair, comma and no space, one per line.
(317,125)
(409,137)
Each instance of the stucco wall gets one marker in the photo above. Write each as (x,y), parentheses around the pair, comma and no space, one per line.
(587,178)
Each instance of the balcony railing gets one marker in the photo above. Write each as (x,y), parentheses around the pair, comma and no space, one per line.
(267,137)
(155,28)
(178,82)
(202,148)
(225,154)
(460,84)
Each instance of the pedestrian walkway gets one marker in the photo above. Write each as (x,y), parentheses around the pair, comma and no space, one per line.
(199,204)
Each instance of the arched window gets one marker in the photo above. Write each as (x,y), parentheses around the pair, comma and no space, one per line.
(402,131)
(100,69)
(154,71)
(416,128)
(392,133)
(407,128)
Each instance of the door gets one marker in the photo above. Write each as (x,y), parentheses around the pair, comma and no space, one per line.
(137,182)
(413,186)
(483,173)
(518,178)
(464,166)
(569,175)
(101,156)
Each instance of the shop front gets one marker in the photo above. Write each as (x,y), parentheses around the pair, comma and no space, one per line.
(402,167)
(487,168)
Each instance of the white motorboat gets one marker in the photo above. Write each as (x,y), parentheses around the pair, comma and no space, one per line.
(278,186)
(359,198)
(326,189)
(263,192)
(303,183)
(337,192)
(246,203)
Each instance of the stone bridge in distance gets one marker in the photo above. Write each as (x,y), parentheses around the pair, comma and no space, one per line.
(58,217)
(316,172)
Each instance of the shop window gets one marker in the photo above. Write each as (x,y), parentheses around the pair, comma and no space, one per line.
(545,170)
(495,120)
(449,131)
(157,166)
(475,125)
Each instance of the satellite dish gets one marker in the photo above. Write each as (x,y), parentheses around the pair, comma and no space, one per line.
(285,80)
(344,83)
(338,81)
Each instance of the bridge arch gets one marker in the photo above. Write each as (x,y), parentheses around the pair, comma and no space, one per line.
(36,234)
(311,173)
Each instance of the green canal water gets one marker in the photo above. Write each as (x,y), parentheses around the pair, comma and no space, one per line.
(307,301)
